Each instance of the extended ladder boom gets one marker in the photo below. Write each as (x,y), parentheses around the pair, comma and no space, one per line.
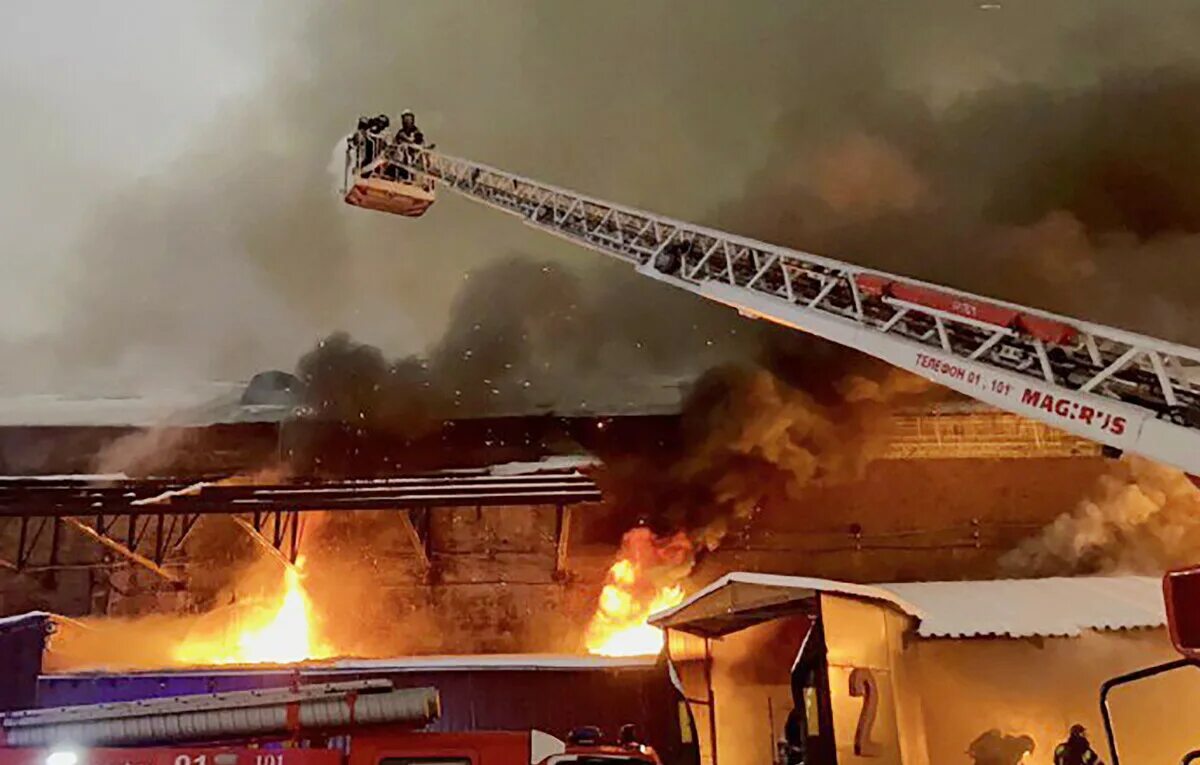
(1128,391)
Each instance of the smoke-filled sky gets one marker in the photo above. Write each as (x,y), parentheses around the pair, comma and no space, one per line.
(168,215)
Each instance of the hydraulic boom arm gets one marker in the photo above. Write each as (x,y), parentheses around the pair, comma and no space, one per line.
(1128,391)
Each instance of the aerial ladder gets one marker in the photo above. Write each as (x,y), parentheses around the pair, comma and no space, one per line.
(1125,390)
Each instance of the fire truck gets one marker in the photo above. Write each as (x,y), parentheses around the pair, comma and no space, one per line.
(1181,593)
(353,723)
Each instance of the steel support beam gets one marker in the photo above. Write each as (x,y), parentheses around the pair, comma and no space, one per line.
(262,541)
(565,516)
(112,544)
(414,537)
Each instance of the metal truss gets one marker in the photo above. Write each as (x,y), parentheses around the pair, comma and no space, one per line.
(147,540)
(147,522)
(1128,391)
(35,513)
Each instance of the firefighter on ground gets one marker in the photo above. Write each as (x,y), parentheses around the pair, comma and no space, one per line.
(1076,750)
(790,749)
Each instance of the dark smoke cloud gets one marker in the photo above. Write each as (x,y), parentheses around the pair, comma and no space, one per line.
(1043,153)
(751,443)
(1082,199)
(526,334)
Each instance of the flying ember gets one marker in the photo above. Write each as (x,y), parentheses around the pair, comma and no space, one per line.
(278,632)
(644,580)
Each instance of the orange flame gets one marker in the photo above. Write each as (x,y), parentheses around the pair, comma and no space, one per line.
(643,580)
(279,633)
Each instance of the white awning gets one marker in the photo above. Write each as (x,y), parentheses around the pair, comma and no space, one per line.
(1060,606)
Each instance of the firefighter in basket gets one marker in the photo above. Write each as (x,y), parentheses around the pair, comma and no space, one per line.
(407,135)
(378,162)
(370,139)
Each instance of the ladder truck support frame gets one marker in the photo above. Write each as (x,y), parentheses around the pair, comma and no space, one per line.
(1131,392)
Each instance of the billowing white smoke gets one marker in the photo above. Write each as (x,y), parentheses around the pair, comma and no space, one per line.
(1142,517)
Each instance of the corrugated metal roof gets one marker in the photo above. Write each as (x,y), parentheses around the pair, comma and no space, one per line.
(24,620)
(1052,607)
(1035,607)
(221,402)
(194,406)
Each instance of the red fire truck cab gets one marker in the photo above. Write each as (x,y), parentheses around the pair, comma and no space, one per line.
(370,747)
(357,723)
(489,748)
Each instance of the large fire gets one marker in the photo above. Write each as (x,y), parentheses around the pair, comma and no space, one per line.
(645,579)
(279,631)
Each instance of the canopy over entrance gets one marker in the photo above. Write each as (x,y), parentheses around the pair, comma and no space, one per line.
(1051,607)
(742,599)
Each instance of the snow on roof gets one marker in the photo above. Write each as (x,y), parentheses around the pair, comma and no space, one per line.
(207,404)
(555,464)
(221,402)
(18,620)
(213,403)
(1052,607)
